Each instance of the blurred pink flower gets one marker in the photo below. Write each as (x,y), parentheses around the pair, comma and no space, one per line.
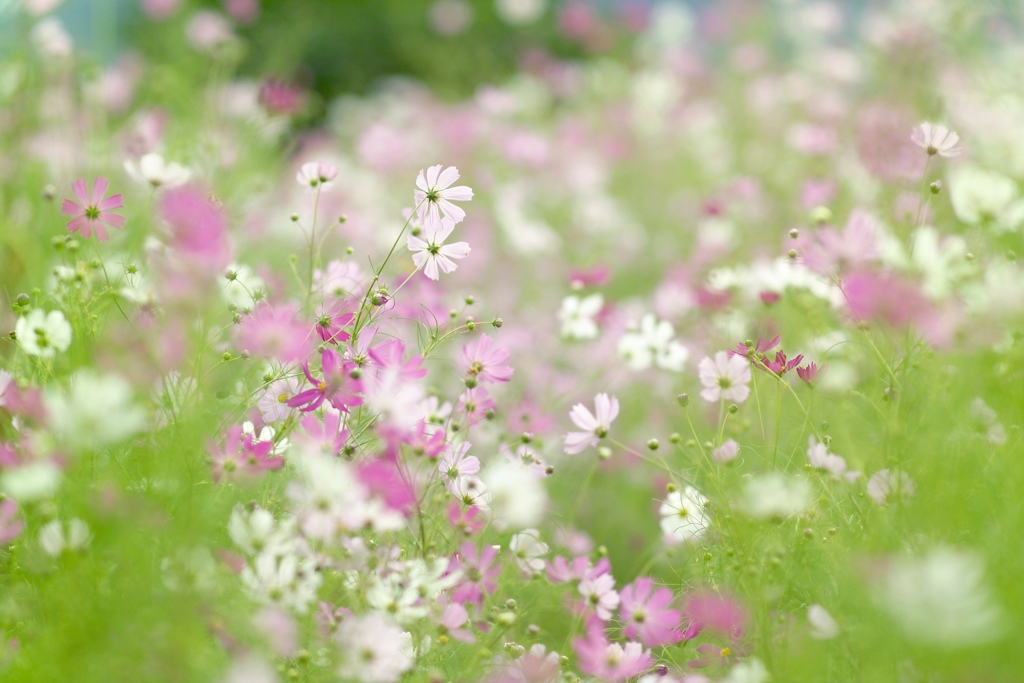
(94,210)
(483,361)
(610,661)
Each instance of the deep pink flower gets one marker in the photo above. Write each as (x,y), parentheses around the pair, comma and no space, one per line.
(762,347)
(484,362)
(338,387)
(242,457)
(94,210)
(649,614)
(330,324)
(610,661)
(810,372)
(478,573)
(781,365)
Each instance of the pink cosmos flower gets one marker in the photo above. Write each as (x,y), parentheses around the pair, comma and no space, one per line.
(434,196)
(478,573)
(725,377)
(274,332)
(242,456)
(391,355)
(327,436)
(821,459)
(887,297)
(432,254)
(810,372)
(476,403)
(94,210)
(595,425)
(781,365)
(483,361)
(610,661)
(649,614)
(338,387)
(598,591)
(425,439)
(719,613)
(455,463)
(936,139)
(466,521)
(314,175)
(330,324)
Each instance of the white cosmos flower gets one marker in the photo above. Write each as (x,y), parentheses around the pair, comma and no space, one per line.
(652,344)
(154,170)
(55,538)
(96,410)
(42,333)
(683,515)
(577,316)
(431,253)
(434,195)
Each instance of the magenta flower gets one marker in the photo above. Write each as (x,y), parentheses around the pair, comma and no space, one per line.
(338,387)
(648,614)
(466,521)
(330,324)
(595,425)
(94,210)
(484,362)
(610,661)
(781,365)
(810,372)
(327,436)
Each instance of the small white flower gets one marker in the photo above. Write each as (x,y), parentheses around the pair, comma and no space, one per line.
(42,333)
(683,515)
(528,549)
(316,175)
(725,377)
(257,531)
(55,538)
(652,344)
(941,598)
(980,196)
(434,195)
(517,497)
(823,626)
(97,410)
(577,316)
(775,495)
(242,288)
(154,170)
(936,139)
(373,649)
(431,253)
(886,484)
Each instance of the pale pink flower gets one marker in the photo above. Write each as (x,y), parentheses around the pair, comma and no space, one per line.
(598,591)
(434,194)
(94,209)
(483,361)
(314,175)
(595,425)
(725,377)
(610,661)
(432,254)
(821,459)
(886,484)
(727,452)
(936,139)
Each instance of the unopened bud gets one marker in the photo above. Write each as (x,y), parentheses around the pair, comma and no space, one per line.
(23,299)
(653,444)
(294,217)
(733,409)
(226,356)
(674,437)
(794,233)
(342,218)
(936,187)
(683,400)
(470,300)
(497,322)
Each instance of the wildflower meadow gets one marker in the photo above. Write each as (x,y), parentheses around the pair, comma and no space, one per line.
(514,341)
